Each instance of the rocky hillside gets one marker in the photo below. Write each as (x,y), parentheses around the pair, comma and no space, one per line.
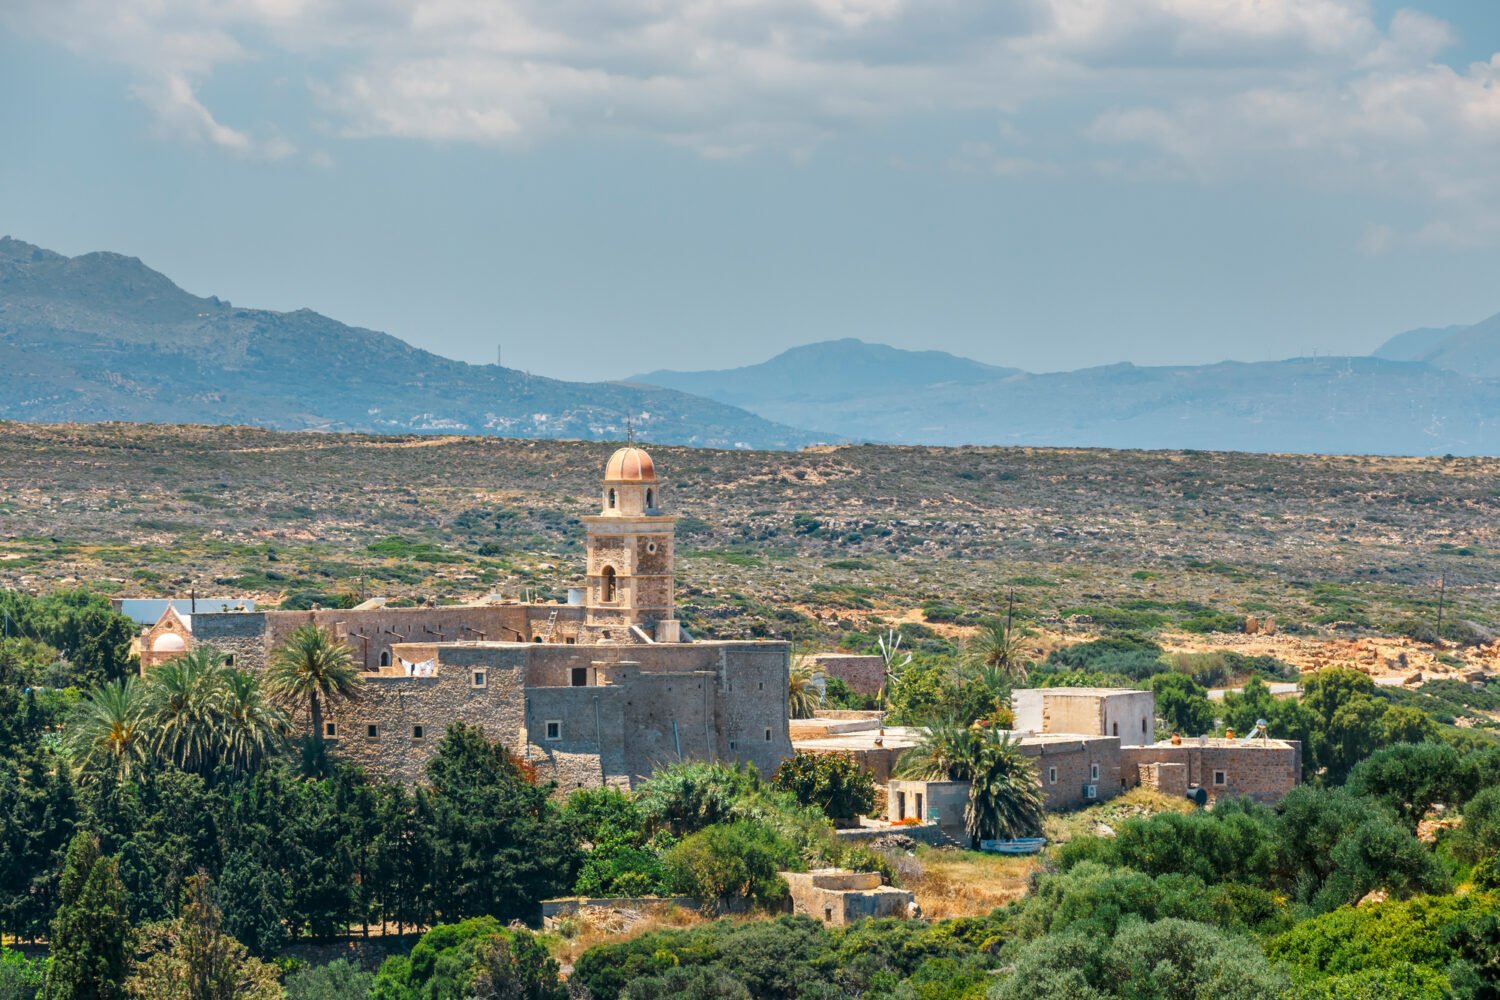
(102,337)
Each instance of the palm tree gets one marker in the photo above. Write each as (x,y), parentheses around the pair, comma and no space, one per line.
(997,650)
(946,753)
(803,692)
(314,667)
(187,708)
(254,726)
(109,731)
(1005,797)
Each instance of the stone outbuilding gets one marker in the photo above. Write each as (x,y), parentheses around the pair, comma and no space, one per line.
(837,896)
(1257,768)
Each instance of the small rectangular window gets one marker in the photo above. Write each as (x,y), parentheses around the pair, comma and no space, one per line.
(580,677)
(418,732)
(1093,772)
(1051,775)
(480,679)
(768,736)
(372,731)
(731,746)
(330,729)
(554,729)
(1220,778)
(228,659)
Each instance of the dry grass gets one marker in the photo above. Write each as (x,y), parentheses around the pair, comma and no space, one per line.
(953,883)
(576,935)
(1138,802)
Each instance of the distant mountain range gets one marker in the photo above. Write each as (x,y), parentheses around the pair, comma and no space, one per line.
(103,337)
(1424,392)
(1468,350)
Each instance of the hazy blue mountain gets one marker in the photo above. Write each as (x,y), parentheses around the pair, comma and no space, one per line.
(1349,405)
(832,370)
(1468,350)
(1414,345)
(103,337)
(1471,350)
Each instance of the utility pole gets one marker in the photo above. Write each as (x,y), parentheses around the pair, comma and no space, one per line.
(1442,593)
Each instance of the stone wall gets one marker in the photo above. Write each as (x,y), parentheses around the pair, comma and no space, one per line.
(1067,766)
(240,634)
(397,706)
(879,761)
(699,701)
(1264,770)
(863,674)
(1162,776)
(373,633)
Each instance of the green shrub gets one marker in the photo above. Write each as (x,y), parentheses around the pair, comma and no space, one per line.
(1236,842)
(477,956)
(835,783)
(1431,932)
(1182,706)
(687,797)
(20,977)
(729,861)
(614,868)
(1409,779)
(1163,960)
(1128,655)
(1335,847)
(338,980)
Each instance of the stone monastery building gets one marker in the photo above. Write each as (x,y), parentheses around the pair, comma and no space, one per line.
(598,691)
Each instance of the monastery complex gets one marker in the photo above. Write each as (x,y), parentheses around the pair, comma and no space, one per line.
(604,689)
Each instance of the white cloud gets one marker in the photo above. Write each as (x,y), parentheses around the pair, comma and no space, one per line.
(1213,89)
(181,115)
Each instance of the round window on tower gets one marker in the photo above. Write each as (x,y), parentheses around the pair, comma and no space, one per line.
(651,548)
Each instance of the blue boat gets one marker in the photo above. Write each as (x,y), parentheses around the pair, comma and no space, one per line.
(1021,845)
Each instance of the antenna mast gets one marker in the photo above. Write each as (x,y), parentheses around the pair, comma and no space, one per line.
(1442,593)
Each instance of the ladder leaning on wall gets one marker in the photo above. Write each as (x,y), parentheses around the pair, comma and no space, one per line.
(549,628)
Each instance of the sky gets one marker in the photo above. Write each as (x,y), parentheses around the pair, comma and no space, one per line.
(590,190)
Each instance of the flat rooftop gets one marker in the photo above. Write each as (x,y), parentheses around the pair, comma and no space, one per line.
(905,737)
(1219,743)
(896,738)
(1073,692)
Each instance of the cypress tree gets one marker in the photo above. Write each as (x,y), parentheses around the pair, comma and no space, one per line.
(90,932)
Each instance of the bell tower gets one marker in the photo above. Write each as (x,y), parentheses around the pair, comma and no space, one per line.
(631,568)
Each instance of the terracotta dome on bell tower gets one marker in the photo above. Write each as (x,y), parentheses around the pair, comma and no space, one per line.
(630,592)
(630,465)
